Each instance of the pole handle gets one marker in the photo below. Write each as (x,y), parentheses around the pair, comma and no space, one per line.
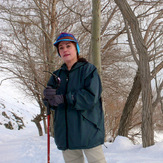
(48,109)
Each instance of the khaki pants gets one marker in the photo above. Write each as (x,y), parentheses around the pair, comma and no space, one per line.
(93,155)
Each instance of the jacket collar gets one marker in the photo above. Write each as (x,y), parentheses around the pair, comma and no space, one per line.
(75,66)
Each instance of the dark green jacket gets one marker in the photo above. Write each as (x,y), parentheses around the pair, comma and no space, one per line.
(79,122)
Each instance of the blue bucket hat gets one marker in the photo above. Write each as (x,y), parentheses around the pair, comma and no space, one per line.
(67,37)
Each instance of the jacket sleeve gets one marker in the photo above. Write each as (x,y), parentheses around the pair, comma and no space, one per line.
(88,96)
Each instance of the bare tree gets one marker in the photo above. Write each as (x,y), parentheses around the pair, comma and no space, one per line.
(32,29)
(153,27)
(145,79)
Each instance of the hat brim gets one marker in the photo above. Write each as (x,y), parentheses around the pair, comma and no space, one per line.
(57,42)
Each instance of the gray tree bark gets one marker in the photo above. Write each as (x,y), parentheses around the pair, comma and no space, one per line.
(147,121)
(96,43)
(134,94)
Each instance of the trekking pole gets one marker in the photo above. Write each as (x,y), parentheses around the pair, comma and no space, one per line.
(48,128)
(48,133)
(58,81)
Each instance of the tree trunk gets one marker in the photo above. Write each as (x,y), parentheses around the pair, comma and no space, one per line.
(49,48)
(45,124)
(147,119)
(131,101)
(39,128)
(96,13)
(37,120)
(129,106)
(52,123)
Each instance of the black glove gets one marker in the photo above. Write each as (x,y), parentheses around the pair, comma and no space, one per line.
(52,98)
(56,100)
(49,92)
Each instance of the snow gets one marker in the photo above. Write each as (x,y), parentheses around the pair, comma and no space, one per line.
(26,146)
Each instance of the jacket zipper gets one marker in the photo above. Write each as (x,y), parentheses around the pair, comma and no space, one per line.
(67,80)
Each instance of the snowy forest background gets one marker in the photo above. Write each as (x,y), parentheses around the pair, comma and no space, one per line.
(131,41)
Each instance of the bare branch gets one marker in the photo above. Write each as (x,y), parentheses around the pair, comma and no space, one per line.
(130,43)
(158,98)
(151,25)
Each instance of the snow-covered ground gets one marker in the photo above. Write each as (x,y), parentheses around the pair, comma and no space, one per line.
(25,146)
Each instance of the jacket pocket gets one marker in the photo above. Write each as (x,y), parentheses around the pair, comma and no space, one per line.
(94,116)
(88,131)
